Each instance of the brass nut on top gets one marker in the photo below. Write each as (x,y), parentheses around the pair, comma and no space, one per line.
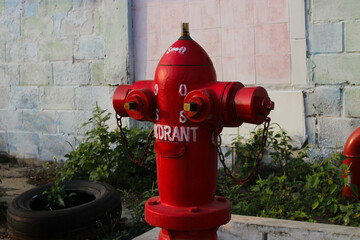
(185,29)
(191,107)
(130,105)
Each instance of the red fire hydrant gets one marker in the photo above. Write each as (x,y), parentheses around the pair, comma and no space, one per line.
(352,151)
(189,109)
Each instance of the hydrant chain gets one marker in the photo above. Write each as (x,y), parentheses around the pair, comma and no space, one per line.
(259,156)
(149,139)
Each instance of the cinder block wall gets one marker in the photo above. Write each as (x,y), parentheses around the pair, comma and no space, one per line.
(57,59)
(333,102)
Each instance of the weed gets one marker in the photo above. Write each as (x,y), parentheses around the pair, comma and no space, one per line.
(45,174)
(296,189)
(102,157)
(136,204)
(56,197)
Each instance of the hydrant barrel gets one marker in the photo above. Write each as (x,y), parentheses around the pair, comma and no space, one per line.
(352,152)
(193,174)
(189,109)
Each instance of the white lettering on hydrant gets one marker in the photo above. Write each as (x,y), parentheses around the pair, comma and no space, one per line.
(182,118)
(175,133)
(182,90)
(181,50)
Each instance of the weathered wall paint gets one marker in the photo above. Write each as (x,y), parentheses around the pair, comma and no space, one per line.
(255,42)
(57,59)
(247,40)
(333,97)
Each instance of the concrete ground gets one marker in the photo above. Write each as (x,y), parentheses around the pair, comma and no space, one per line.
(253,228)
(256,228)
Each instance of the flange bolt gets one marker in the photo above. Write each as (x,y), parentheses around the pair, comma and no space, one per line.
(194,209)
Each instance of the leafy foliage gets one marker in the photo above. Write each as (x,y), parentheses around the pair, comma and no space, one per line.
(102,157)
(294,189)
(289,187)
(55,197)
(122,229)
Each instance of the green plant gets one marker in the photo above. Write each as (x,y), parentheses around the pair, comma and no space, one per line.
(351,189)
(56,196)
(45,174)
(110,231)
(102,157)
(294,189)
(245,153)
(137,225)
(138,206)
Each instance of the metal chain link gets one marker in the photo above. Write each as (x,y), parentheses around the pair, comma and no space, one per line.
(227,171)
(149,139)
(259,156)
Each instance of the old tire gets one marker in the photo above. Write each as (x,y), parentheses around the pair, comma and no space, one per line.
(77,222)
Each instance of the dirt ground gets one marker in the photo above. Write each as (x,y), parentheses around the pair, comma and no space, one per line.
(15,178)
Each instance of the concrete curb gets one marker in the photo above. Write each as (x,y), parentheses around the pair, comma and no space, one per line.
(255,228)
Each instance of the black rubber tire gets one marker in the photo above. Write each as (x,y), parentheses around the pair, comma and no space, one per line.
(79,222)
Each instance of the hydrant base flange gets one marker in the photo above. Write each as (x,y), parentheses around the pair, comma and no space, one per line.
(188,218)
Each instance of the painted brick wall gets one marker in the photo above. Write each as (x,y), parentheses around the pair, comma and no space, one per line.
(57,59)
(247,40)
(332,103)
(262,42)
(256,42)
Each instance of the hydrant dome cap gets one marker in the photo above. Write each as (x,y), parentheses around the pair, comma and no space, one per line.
(352,146)
(185,53)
